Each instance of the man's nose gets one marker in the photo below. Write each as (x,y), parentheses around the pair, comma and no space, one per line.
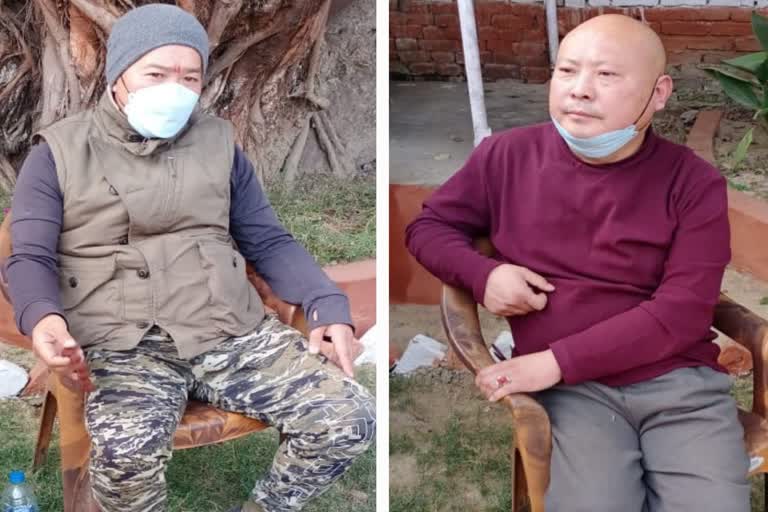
(583,88)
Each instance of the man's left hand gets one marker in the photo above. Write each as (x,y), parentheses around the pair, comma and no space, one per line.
(343,348)
(529,373)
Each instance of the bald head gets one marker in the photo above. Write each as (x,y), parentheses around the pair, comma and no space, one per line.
(609,75)
(634,42)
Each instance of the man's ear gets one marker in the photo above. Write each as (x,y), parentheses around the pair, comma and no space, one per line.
(664,87)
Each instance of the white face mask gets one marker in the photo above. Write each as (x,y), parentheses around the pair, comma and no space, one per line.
(605,144)
(160,111)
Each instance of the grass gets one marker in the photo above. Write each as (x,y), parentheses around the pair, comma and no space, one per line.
(737,186)
(335,220)
(458,465)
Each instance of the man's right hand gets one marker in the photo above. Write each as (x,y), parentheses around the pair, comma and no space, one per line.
(55,347)
(508,291)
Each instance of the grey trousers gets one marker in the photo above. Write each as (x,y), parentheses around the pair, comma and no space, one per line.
(670,444)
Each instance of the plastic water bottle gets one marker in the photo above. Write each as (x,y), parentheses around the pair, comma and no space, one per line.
(18,496)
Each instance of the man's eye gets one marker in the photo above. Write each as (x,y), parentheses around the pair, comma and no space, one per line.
(607,73)
(565,70)
(155,75)
(192,79)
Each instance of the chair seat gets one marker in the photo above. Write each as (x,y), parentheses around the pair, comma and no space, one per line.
(756,440)
(204,424)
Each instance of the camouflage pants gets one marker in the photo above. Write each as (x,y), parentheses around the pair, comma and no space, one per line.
(326,419)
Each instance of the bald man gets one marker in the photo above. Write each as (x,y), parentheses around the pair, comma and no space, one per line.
(611,246)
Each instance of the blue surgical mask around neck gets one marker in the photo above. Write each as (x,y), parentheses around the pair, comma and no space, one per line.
(160,111)
(605,144)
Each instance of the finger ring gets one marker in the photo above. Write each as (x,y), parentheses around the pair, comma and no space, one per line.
(500,381)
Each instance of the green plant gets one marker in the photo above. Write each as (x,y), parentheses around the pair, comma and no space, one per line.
(745,80)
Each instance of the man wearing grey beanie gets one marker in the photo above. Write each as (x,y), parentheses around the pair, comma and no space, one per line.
(124,274)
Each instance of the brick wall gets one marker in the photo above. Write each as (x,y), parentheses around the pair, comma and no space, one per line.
(425,39)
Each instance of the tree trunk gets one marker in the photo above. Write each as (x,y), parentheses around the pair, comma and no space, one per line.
(263,65)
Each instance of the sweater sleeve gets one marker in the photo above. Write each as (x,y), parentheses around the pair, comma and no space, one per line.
(32,269)
(283,263)
(679,313)
(441,237)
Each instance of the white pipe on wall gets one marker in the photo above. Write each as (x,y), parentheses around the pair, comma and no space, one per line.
(473,70)
(554,43)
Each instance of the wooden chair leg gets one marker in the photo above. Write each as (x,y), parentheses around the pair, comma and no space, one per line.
(47,419)
(77,490)
(520,501)
(75,446)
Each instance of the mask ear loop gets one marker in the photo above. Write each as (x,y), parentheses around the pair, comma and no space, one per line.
(647,103)
(117,100)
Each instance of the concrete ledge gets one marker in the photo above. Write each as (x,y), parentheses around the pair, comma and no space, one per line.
(748,216)
(409,282)
(358,281)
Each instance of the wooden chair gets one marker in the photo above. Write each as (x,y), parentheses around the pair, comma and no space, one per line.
(201,424)
(533,436)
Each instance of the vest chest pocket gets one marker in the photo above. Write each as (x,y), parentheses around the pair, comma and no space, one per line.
(228,286)
(88,290)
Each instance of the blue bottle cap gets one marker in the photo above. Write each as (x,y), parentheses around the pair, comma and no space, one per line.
(16,477)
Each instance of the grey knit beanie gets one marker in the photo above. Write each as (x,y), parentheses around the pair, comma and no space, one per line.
(141,30)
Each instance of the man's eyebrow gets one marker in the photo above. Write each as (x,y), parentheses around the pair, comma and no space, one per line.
(168,69)
(596,63)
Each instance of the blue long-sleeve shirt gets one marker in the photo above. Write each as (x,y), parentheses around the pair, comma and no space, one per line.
(37,218)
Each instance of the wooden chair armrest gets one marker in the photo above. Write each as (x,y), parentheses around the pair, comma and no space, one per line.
(289,314)
(5,253)
(751,331)
(533,432)
(462,325)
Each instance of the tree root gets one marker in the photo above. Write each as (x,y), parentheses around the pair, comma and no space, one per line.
(236,50)
(54,83)
(84,44)
(320,102)
(26,65)
(291,167)
(7,174)
(61,37)
(99,15)
(324,128)
(314,62)
(223,12)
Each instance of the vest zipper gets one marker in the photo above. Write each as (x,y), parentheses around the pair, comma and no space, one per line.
(169,199)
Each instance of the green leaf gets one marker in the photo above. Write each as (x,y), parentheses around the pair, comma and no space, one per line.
(749,62)
(764,301)
(738,91)
(760,28)
(762,72)
(741,149)
(735,73)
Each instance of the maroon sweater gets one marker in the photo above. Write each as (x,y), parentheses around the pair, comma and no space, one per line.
(635,249)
